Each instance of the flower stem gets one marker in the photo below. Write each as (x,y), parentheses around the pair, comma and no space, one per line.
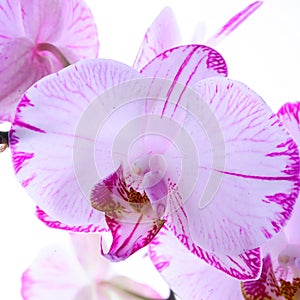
(55,51)
(172,296)
(3,140)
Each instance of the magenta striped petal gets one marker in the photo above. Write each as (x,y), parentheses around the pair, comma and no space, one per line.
(233,23)
(248,177)
(50,119)
(187,275)
(51,223)
(183,66)
(289,115)
(163,34)
(186,64)
(245,266)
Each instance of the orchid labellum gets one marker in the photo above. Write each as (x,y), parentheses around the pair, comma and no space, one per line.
(39,37)
(280,275)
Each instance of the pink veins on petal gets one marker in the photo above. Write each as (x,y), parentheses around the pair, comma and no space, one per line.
(51,223)
(233,23)
(162,35)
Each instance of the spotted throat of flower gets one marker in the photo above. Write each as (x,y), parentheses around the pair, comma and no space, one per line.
(133,200)
(273,284)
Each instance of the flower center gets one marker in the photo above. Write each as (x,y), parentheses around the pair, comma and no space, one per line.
(151,170)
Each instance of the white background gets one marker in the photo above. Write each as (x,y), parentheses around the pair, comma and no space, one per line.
(263,53)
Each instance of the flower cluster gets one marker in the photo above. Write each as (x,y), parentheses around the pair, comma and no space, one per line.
(169,153)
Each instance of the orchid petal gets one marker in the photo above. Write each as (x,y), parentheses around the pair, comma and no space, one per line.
(289,116)
(247,194)
(17,57)
(129,215)
(87,250)
(266,287)
(78,273)
(182,66)
(51,223)
(55,274)
(186,64)
(233,23)
(56,112)
(11,25)
(245,266)
(187,275)
(67,24)
(163,34)
(38,38)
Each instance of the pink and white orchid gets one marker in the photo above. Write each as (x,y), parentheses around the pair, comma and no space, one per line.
(177,143)
(280,276)
(181,147)
(77,272)
(39,37)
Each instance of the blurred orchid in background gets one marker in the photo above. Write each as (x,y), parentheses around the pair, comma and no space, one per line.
(164,34)
(39,37)
(78,272)
(177,143)
(280,276)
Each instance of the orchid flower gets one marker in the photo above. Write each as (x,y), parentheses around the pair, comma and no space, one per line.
(39,37)
(77,272)
(168,145)
(280,276)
